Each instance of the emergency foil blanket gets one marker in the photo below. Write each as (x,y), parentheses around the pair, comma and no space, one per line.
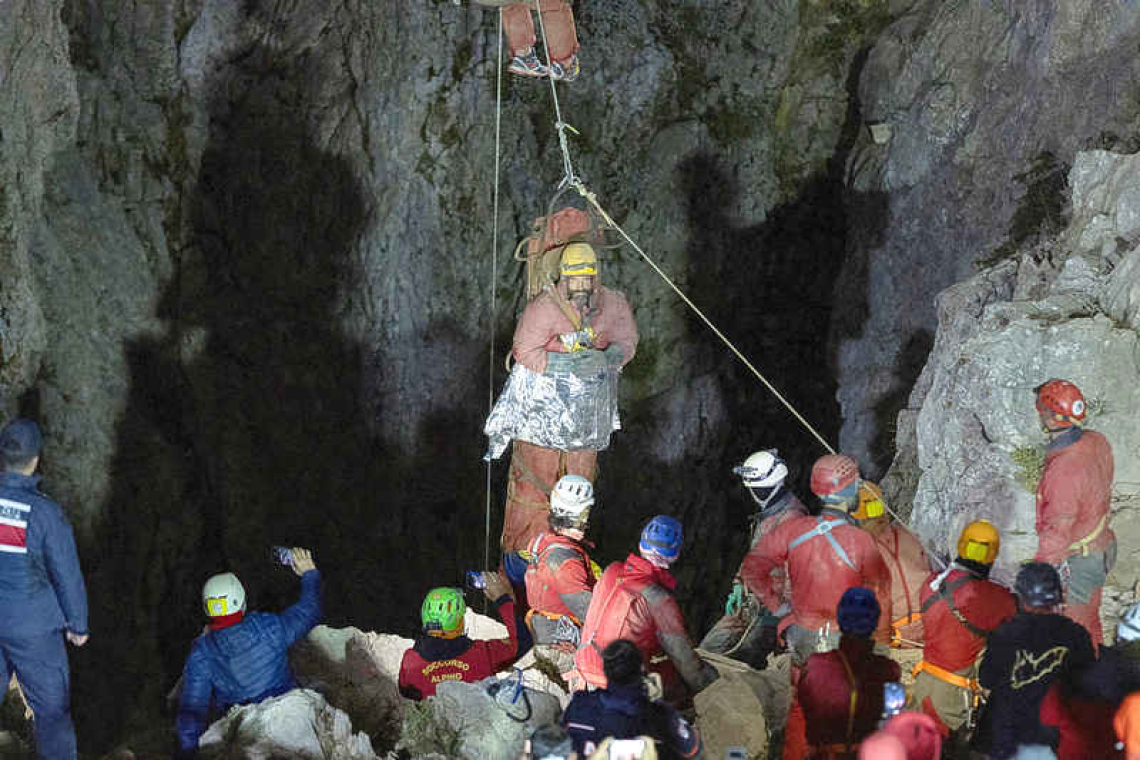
(558,410)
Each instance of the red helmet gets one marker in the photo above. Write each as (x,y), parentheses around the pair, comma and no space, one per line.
(832,473)
(1062,399)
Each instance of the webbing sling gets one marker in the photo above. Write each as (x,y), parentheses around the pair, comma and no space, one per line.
(946,593)
(824,528)
(853,704)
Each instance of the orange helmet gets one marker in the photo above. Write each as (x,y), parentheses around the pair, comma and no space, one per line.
(833,473)
(1063,400)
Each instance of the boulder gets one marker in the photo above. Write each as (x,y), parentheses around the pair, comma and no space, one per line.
(299,724)
(488,720)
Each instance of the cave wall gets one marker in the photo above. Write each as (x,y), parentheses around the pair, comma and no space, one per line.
(247,273)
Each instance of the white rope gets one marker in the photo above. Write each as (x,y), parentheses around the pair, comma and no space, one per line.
(494,279)
(568,175)
(593,200)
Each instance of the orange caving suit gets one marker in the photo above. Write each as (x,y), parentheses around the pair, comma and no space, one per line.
(817,576)
(1073,501)
(535,469)
(558,19)
(906,559)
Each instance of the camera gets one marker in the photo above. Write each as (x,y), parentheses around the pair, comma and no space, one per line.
(475,579)
(894,698)
(735,753)
(626,749)
(282,555)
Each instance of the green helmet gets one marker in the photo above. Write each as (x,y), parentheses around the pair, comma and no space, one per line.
(442,612)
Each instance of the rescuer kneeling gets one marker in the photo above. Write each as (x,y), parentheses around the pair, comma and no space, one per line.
(444,653)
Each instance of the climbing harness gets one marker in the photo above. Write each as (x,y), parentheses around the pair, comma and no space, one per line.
(824,528)
(945,592)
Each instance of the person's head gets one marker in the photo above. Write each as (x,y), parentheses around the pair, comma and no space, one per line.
(550,742)
(882,746)
(570,503)
(979,543)
(918,733)
(858,612)
(870,505)
(21,443)
(622,663)
(763,474)
(223,597)
(835,480)
(1038,585)
(1060,405)
(661,540)
(442,612)
(578,268)
(1128,629)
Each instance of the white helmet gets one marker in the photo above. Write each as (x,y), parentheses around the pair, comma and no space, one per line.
(223,595)
(762,469)
(1129,627)
(571,499)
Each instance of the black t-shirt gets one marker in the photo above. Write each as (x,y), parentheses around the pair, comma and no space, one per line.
(1024,655)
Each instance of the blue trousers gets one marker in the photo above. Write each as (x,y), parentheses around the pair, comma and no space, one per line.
(40,664)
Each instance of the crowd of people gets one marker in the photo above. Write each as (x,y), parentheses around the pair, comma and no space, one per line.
(836,583)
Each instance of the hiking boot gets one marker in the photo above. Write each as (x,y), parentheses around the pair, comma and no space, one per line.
(526,64)
(565,71)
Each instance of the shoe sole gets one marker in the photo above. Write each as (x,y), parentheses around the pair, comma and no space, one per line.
(527,73)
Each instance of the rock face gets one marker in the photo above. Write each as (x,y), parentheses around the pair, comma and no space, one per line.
(1063,309)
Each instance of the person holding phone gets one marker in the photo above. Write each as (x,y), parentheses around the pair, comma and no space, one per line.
(444,653)
(242,658)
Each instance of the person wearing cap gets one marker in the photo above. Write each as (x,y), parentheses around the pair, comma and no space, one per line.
(904,556)
(960,607)
(444,652)
(908,735)
(1073,501)
(1023,657)
(624,710)
(242,658)
(747,631)
(634,600)
(577,326)
(841,691)
(821,556)
(42,593)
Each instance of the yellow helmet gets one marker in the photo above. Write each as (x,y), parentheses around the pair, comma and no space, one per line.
(871,503)
(979,542)
(578,260)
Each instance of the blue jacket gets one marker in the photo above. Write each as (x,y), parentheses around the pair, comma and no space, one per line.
(625,712)
(246,662)
(40,580)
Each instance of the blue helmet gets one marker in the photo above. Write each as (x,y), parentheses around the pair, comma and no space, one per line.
(858,611)
(663,536)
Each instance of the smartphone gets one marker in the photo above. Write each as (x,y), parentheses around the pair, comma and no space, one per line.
(475,579)
(894,698)
(282,555)
(626,749)
(735,753)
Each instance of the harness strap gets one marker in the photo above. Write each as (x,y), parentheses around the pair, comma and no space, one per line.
(824,528)
(898,564)
(962,682)
(1083,544)
(946,593)
(563,304)
(853,703)
(554,617)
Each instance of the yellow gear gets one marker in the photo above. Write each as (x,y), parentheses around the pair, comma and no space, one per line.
(596,570)
(871,503)
(578,260)
(979,542)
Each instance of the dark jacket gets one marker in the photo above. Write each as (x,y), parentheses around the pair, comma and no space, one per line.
(244,663)
(625,712)
(431,661)
(1025,655)
(41,585)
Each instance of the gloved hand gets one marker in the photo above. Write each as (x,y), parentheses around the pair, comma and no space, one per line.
(614,354)
(735,599)
(579,340)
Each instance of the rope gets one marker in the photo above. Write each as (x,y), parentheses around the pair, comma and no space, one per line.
(494,279)
(593,200)
(569,178)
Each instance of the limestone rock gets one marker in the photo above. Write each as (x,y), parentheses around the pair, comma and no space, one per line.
(489,720)
(299,724)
